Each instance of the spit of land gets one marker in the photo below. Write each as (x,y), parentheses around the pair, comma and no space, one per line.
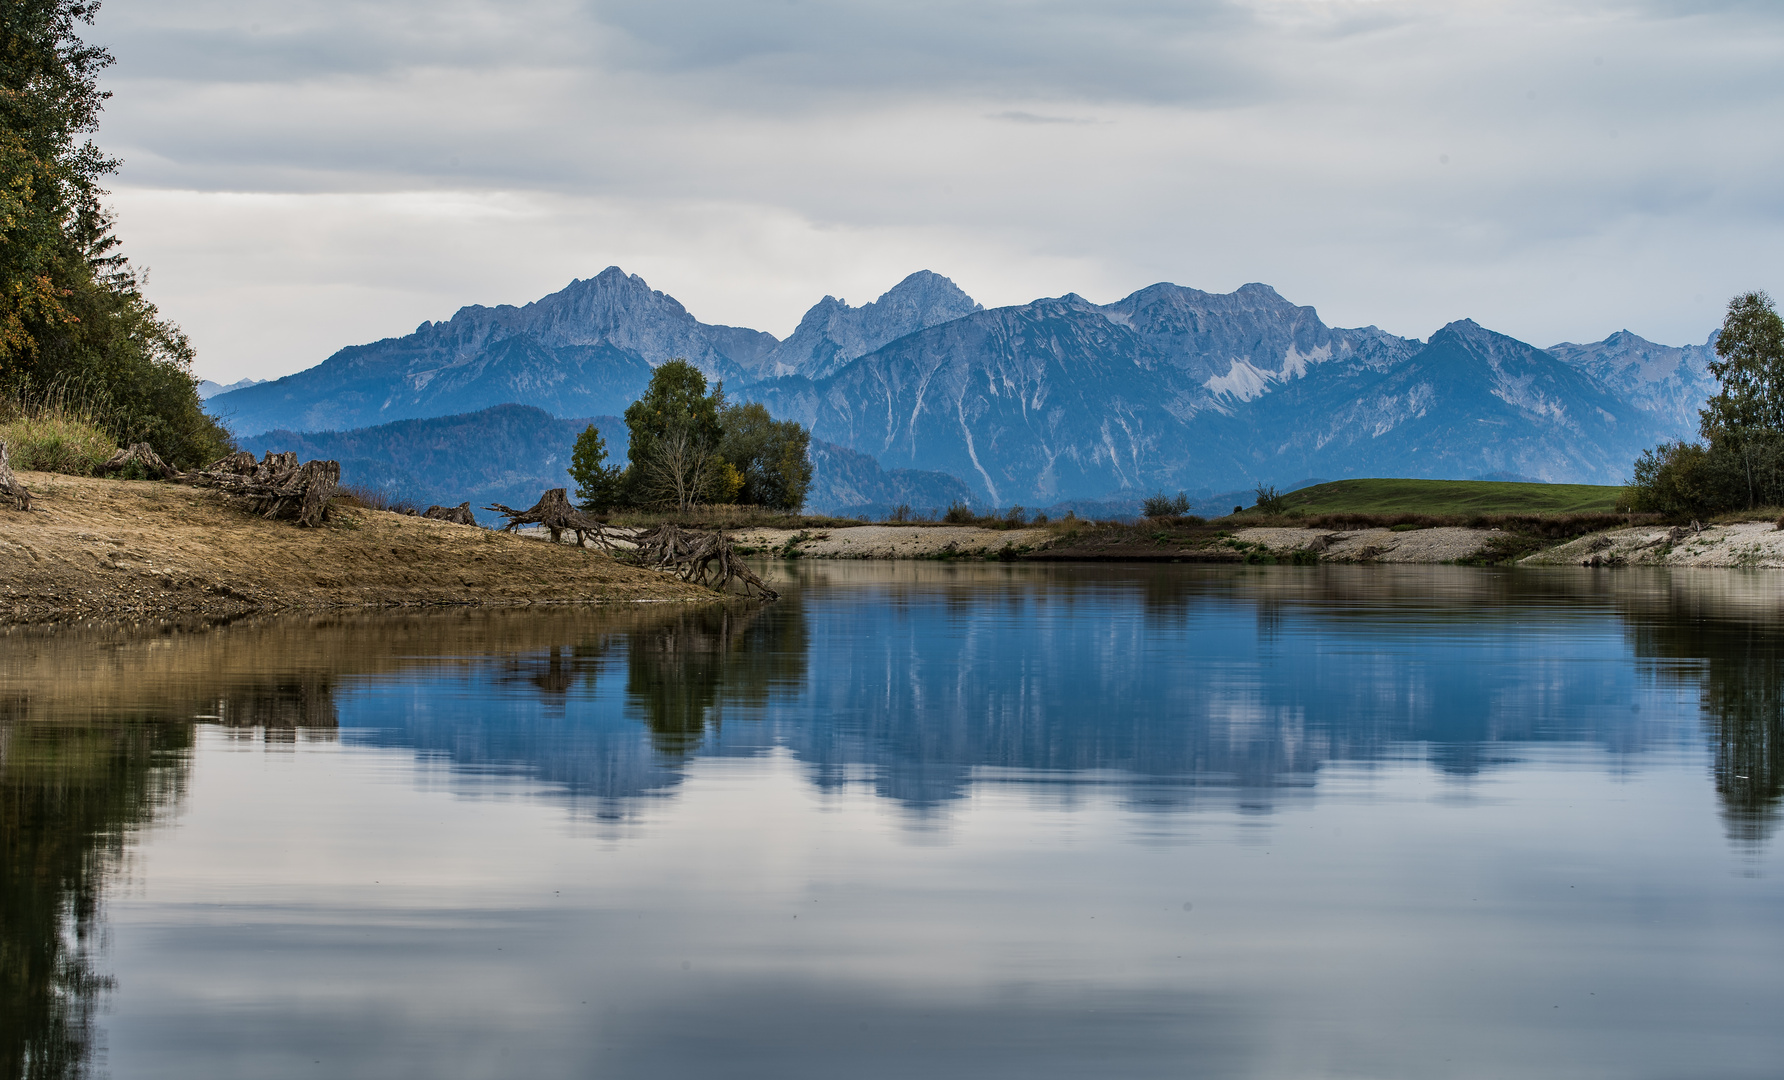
(119,548)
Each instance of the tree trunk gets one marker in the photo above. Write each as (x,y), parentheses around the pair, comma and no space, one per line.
(10,489)
(277,487)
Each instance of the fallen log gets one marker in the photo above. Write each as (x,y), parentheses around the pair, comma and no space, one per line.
(10,488)
(143,456)
(276,487)
(457,515)
(703,558)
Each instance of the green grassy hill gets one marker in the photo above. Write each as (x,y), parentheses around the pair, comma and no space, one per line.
(1452,497)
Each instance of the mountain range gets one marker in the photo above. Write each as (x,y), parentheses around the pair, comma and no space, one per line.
(1060,399)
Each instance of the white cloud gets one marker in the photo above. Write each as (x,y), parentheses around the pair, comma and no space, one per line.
(306,177)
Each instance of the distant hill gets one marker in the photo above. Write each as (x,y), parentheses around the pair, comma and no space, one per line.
(508,454)
(512,453)
(1047,403)
(847,482)
(1384,496)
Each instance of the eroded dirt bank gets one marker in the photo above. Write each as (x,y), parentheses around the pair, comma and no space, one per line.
(113,547)
(1751,544)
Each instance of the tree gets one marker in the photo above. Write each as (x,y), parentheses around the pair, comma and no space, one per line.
(675,436)
(1746,416)
(72,313)
(770,455)
(689,446)
(598,485)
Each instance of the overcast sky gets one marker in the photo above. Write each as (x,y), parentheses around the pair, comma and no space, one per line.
(301,175)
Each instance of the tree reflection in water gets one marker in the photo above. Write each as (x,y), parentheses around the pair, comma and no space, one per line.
(74,789)
(683,671)
(1740,675)
(70,797)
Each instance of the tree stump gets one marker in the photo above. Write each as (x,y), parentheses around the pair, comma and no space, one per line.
(276,487)
(704,558)
(553,510)
(10,489)
(458,515)
(143,456)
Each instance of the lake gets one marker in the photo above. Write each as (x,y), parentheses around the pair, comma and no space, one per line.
(914,819)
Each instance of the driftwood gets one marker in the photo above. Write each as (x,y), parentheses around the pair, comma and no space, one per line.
(277,487)
(553,510)
(10,489)
(704,558)
(458,515)
(143,456)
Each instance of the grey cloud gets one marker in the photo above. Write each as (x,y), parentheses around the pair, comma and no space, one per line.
(1211,142)
(1113,51)
(1017,116)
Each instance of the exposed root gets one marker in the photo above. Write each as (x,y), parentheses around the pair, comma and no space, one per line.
(553,510)
(704,558)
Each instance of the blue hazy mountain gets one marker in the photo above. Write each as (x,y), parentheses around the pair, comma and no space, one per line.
(209,389)
(1174,388)
(1059,399)
(587,350)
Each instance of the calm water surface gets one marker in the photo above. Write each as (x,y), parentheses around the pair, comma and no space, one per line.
(920,819)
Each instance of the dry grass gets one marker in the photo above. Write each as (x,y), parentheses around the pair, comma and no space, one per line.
(54,434)
(366,497)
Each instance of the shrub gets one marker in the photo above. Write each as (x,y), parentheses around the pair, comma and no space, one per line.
(959,514)
(1269,500)
(1163,506)
(1684,479)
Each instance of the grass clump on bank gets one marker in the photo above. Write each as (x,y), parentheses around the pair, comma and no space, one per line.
(53,436)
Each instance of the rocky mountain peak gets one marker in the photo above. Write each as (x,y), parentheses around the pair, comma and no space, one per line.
(832,333)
